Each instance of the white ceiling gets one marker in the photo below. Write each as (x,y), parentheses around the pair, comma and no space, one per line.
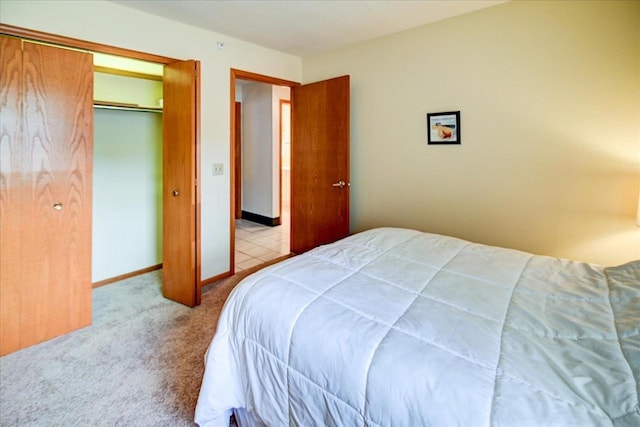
(306,27)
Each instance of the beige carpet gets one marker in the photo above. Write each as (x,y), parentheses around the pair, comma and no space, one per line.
(139,364)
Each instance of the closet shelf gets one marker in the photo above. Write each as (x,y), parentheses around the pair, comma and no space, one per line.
(124,106)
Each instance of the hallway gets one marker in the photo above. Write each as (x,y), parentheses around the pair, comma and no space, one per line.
(257,243)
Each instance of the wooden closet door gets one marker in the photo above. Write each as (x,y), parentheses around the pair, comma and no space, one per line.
(180,122)
(45,268)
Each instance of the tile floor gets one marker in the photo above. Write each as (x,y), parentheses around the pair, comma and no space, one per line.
(257,243)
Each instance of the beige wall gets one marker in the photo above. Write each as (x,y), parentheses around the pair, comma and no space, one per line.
(549,94)
(113,24)
(550,101)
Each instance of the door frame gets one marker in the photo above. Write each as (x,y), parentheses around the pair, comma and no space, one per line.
(237,160)
(280,104)
(64,41)
(242,75)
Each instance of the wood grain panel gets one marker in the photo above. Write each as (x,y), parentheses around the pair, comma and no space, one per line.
(179,173)
(319,158)
(59,133)
(11,201)
(53,271)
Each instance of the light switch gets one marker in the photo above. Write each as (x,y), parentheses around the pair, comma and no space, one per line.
(218,169)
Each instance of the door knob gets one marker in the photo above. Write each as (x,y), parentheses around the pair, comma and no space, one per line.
(175,193)
(340,184)
(57,206)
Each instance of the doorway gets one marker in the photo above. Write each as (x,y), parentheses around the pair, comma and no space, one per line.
(320,186)
(245,233)
(262,178)
(127,168)
(147,219)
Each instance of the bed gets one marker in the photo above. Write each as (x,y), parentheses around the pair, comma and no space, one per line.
(396,327)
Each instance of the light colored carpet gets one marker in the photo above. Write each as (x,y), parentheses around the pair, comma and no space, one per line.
(139,364)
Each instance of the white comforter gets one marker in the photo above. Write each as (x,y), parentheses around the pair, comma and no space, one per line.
(394,327)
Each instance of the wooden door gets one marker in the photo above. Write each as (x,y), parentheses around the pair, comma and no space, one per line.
(45,208)
(319,163)
(180,196)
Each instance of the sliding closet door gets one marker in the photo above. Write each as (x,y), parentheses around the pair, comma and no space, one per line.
(180,281)
(45,270)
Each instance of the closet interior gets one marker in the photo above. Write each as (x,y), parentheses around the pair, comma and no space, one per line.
(127,167)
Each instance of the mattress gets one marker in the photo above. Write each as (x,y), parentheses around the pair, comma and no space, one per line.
(404,328)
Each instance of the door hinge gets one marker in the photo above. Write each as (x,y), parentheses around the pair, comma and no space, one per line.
(195,183)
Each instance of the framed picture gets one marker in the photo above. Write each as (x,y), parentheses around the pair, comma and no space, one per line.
(443,128)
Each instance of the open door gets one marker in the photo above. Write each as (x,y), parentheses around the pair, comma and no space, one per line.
(319,163)
(180,193)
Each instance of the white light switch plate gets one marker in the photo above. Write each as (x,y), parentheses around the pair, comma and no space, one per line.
(218,169)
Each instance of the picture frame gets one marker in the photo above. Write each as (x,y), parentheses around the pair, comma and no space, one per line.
(443,128)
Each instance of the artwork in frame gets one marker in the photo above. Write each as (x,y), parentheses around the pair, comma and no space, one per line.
(443,128)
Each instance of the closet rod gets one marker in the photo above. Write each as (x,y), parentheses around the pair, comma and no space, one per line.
(123,106)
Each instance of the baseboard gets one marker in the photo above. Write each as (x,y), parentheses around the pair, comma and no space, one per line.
(260,219)
(125,276)
(214,279)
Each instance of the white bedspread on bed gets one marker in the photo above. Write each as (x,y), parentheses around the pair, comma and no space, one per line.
(404,328)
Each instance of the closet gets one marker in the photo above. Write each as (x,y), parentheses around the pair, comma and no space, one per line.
(46,179)
(45,211)
(127,170)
